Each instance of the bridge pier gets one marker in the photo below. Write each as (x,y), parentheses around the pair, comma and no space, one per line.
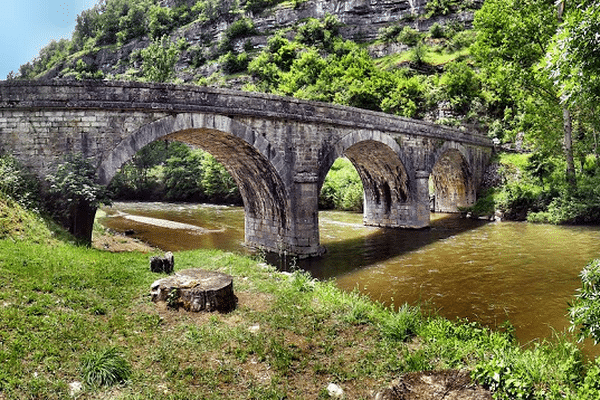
(389,211)
(304,210)
(293,231)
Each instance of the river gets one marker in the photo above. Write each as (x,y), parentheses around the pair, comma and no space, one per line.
(488,272)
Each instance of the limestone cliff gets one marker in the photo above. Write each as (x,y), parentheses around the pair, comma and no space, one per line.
(361,21)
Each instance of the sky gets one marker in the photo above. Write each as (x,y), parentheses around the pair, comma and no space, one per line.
(26,26)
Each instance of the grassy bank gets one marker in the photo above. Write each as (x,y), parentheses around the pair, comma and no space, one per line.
(72,315)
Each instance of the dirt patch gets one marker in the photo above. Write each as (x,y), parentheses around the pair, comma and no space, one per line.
(116,243)
(428,385)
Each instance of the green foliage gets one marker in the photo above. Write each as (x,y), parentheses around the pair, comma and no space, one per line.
(342,188)
(257,6)
(161,21)
(240,28)
(216,182)
(460,86)
(402,324)
(234,63)
(409,36)
(182,175)
(320,33)
(584,312)
(437,31)
(104,368)
(74,183)
(159,59)
(18,183)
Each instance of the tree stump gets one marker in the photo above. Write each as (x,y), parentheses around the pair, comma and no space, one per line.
(196,290)
(162,264)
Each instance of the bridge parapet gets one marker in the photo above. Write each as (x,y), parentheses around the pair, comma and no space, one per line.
(112,95)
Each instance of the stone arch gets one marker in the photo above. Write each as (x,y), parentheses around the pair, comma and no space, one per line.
(451,179)
(352,139)
(386,174)
(248,158)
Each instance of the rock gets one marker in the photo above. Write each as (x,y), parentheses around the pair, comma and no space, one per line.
(162,264)
(335,391)
(196,290)
(75,388)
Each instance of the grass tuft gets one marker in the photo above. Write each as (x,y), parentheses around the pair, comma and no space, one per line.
(105,367)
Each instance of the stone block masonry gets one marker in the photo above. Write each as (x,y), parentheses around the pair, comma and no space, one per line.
(278,150)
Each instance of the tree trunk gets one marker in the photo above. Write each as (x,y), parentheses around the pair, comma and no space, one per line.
(568,132)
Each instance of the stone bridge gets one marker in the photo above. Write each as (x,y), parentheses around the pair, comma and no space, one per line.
(278,149)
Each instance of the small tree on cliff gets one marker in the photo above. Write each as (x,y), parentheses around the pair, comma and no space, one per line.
(74,195)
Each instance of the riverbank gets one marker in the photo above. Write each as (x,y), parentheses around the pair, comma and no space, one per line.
(290,336)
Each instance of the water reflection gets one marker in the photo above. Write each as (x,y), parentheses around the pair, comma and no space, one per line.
(376,245)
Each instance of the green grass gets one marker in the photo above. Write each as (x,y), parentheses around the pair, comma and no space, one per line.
(73,314)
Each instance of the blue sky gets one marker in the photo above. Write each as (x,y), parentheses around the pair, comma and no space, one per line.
(26,26)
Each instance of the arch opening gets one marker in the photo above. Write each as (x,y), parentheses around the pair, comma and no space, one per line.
(385,182)
(261,189)
(450,183)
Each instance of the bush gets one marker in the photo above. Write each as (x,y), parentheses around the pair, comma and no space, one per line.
(159,60)
(233,63)
(437,31)
(409,36)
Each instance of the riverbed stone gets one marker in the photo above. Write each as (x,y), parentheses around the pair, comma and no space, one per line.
(196,290)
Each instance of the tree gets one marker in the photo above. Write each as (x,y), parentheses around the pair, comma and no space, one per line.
(585,309)
(75,195)
(513,38)
(573,60)
(159,60)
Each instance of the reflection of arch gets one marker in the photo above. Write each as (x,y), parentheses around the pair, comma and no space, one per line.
(452,179)
(244,154)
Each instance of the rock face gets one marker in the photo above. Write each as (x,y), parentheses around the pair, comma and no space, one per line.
(361,21)
(196,290)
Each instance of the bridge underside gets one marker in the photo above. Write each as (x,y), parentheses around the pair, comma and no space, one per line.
(389,198)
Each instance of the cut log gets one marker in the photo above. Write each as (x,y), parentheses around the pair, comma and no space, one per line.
(196,290)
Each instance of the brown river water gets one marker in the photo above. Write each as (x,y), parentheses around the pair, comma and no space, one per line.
(491,272)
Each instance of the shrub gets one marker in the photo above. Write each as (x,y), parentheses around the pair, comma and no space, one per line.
(342,188)
(585,310)
(233,63)
(389,33)
(409,36)
(104,368)
(159,60)
(19,183)
(437,31)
